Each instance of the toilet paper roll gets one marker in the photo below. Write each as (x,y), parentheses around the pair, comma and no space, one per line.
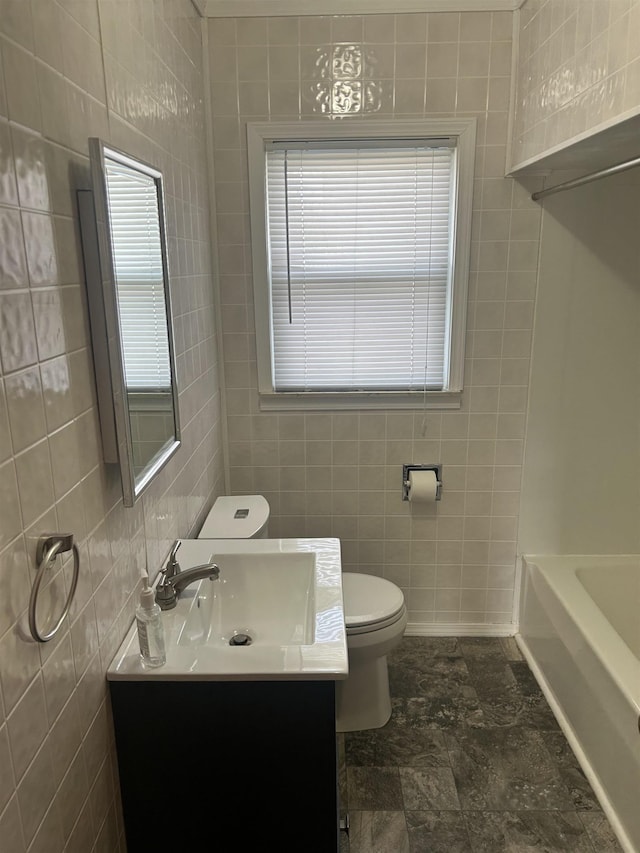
(423,486)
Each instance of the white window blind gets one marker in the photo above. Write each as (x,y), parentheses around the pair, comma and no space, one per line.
(360,242)
(139,272)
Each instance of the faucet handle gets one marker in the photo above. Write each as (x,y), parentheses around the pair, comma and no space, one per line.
(173,567)
(165,593)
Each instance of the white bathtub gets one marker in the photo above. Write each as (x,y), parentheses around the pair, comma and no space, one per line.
(580,632)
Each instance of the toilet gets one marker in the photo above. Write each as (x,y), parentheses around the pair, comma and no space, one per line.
(374,611)
(375,617)
(237,517)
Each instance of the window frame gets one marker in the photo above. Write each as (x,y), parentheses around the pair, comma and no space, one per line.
(262,134)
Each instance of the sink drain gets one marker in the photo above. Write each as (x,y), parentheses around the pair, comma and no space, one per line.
(240,640)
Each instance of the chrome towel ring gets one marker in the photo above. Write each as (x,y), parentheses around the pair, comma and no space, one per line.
(49,546)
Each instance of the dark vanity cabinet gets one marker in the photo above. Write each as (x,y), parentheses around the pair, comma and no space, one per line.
(227,765)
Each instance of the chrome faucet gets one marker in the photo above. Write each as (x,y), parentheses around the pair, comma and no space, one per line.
(173,580)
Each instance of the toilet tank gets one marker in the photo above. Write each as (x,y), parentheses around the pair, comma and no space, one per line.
(237,517)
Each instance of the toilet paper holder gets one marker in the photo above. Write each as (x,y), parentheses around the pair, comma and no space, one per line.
(435,467)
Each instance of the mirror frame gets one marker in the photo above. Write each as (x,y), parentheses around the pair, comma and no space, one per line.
(115,423)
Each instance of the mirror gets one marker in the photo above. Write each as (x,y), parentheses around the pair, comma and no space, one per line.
(124,246)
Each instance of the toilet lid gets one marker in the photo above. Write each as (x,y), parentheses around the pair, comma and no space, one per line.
(235,517)
(369,599)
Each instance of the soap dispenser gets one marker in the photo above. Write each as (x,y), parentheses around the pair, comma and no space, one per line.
(150,628)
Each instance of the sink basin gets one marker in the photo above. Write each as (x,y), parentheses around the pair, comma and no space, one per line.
(275,612)
(266,598)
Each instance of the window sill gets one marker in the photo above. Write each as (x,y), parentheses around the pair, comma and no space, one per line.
(360,400)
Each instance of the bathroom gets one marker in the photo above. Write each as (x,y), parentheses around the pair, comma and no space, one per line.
(174,83)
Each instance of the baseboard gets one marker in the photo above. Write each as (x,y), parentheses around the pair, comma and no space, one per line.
(459,629)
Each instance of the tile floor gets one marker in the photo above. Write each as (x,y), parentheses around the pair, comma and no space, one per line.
(472,761)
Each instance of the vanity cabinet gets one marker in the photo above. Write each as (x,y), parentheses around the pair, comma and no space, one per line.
(227,765)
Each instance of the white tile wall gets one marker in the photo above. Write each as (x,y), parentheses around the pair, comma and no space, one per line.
(340,474)
(129,71)
(578,69)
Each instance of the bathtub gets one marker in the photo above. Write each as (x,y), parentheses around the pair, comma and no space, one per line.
(580,633)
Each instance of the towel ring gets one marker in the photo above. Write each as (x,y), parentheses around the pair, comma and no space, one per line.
(49,547)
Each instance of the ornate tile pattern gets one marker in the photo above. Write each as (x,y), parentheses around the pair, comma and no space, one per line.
(471,761)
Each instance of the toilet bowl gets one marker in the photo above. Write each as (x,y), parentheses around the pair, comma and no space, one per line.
(374,611)
(375,619)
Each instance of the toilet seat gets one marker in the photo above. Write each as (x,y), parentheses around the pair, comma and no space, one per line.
(370,603)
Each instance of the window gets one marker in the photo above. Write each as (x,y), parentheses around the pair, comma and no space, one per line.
(360,252)
(139,275)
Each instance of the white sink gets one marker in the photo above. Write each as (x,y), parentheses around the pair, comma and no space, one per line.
(268,598)
(284,595)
